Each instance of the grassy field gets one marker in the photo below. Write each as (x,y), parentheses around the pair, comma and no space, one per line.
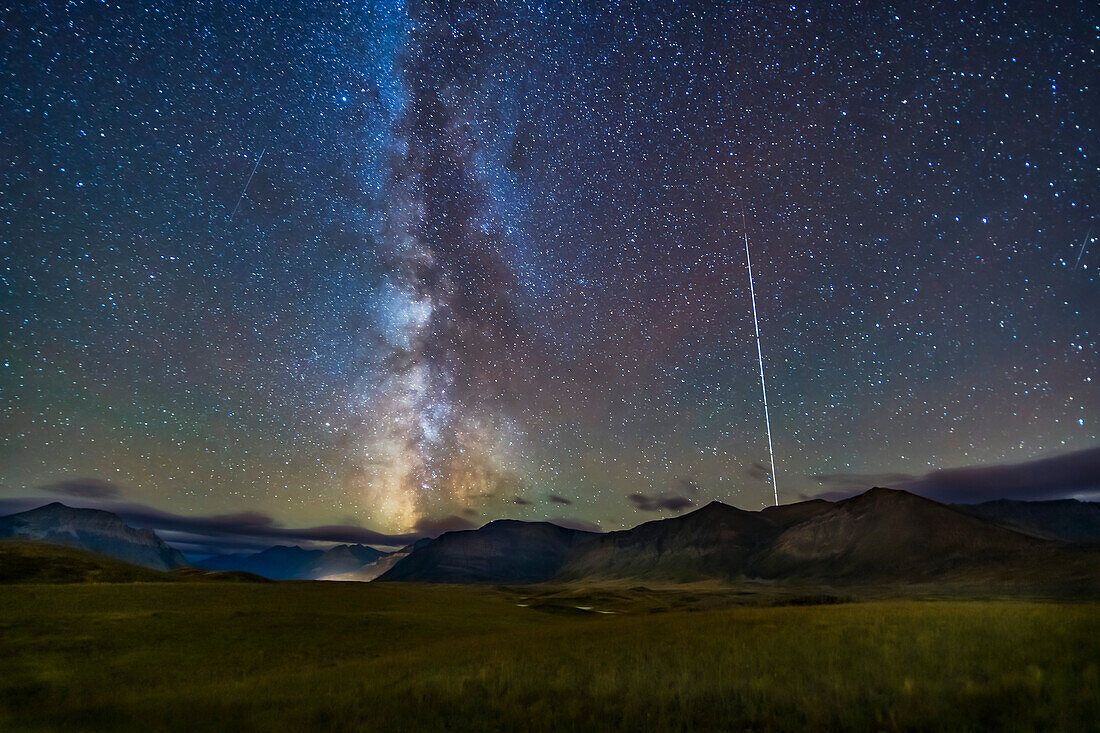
(393,657)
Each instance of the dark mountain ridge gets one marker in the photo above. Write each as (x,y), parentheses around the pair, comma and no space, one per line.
(1066,520)
(717,539)
(882,536)
(505,550)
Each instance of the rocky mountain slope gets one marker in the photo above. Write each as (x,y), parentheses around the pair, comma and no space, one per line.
(93,530)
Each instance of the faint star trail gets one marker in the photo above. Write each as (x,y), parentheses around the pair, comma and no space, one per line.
(246,184)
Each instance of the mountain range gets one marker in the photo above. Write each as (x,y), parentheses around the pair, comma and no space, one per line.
(106,534)
(878,538)
(373,570)
(505,550)
(882,536)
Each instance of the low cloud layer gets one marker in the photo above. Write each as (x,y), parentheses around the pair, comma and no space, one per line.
(847,484)
(257,527)
(236,532)
(757,472)
(83,489)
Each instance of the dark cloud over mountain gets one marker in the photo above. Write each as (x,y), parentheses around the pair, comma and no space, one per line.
(84,489)
(432,527)
(1067,476)
(243,530)
(658,503)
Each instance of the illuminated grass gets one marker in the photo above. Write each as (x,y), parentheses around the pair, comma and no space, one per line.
(400,657)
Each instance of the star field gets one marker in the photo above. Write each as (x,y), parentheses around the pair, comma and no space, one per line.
(490,263)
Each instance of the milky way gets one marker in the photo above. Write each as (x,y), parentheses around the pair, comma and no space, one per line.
(490,263)
(441,395)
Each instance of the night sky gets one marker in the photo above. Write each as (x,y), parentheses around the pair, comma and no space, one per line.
(415,265)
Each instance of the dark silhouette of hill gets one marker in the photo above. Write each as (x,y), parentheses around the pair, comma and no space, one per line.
(714,541)
(504,551)
(786,515)
(294,563)
(198,575)
(1067,520)
(884,535)
(93,530)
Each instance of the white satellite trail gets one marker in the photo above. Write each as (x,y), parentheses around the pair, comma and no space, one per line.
(245,189)
(1084,243)
(760,356)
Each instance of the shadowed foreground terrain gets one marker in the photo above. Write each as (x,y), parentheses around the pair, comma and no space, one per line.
(41,562)
(347,656)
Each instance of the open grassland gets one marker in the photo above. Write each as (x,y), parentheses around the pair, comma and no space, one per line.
(393,657)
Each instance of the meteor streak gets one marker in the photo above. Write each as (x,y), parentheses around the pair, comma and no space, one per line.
(1084,243)
(760,356)
(245,189)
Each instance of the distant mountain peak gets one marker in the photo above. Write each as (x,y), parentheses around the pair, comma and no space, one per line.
(876,492)
(712,509)
(57,508)
(94,530)
(284,562)
(883,496)
(505,550)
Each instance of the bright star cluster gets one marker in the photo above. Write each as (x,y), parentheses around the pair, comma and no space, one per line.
(490,262)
